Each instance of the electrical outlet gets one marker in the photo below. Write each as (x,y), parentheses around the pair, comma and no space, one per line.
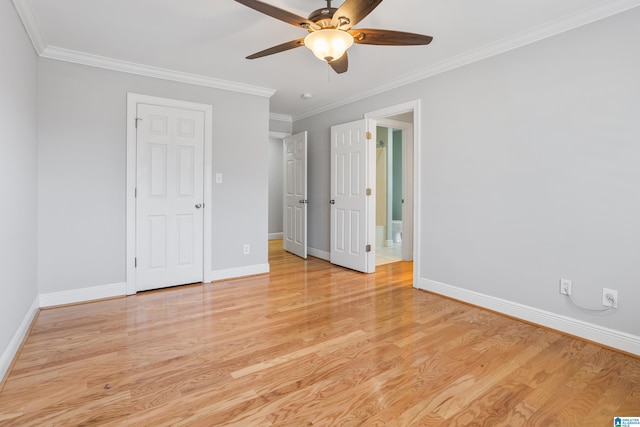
(610,298)
(566,287)
(246,249)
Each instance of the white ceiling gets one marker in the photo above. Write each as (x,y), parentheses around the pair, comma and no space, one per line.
(207,41)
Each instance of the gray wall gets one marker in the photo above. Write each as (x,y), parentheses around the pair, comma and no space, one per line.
(276,197)
(18,161)
(82,165)
(529,165)
(280,125)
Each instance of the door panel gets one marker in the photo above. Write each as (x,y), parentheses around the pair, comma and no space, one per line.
(295,194)
(169,212)
(352,214)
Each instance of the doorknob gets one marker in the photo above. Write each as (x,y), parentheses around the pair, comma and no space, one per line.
(198,205)
(332,202)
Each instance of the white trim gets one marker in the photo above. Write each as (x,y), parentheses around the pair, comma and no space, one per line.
(232,273)
(599,334)
(516,41)
(370,202)
(132,100)
(281,117)
(76,57)
(31,24)
(417,186)
(74,296)
(317,253)
(276,236)
(7,356)
(278,135)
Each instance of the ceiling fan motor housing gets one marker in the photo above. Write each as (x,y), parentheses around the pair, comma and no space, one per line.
(323,16)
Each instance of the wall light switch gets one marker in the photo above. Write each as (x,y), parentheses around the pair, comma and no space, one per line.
(218,178)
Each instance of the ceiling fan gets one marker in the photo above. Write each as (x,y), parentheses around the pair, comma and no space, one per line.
(331,33)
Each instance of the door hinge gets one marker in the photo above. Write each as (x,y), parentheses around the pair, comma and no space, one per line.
(135,262)
(135,193)
(367,135)
(138,118)
(368,191)
(368,248)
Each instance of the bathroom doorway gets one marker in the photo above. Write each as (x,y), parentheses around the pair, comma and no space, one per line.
(393,183)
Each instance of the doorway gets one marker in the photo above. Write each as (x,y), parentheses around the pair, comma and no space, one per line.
(404,118)
(388,239)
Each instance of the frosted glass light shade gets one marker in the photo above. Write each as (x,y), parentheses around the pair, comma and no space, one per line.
(328,44)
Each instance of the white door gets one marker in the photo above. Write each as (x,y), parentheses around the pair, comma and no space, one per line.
(353,196)
(295,194)
(169,196)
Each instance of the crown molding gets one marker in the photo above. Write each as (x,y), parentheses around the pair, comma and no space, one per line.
(67,55)
(551,29)
(30,23)
(587,16)
(279,135)
(280,117)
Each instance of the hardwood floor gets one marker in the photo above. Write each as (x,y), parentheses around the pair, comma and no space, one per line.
(309,344)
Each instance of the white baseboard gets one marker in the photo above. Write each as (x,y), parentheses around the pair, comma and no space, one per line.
(18,337)
(319,254)
(275,236)
(231,273)
(82,295)
(589,331)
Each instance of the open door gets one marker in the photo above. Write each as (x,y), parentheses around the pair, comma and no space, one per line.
(353,195)
(295,194)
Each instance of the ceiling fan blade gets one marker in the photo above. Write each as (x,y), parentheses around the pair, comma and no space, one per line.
(341,64)
(388,37)
(277,49)
(281,14)
(354,11)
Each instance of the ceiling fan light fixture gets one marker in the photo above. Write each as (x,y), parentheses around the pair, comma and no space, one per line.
(328,44)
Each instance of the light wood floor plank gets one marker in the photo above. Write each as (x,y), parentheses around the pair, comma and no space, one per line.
(308,344)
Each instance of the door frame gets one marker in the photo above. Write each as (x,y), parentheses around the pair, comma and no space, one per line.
(133,99)
(414,108)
